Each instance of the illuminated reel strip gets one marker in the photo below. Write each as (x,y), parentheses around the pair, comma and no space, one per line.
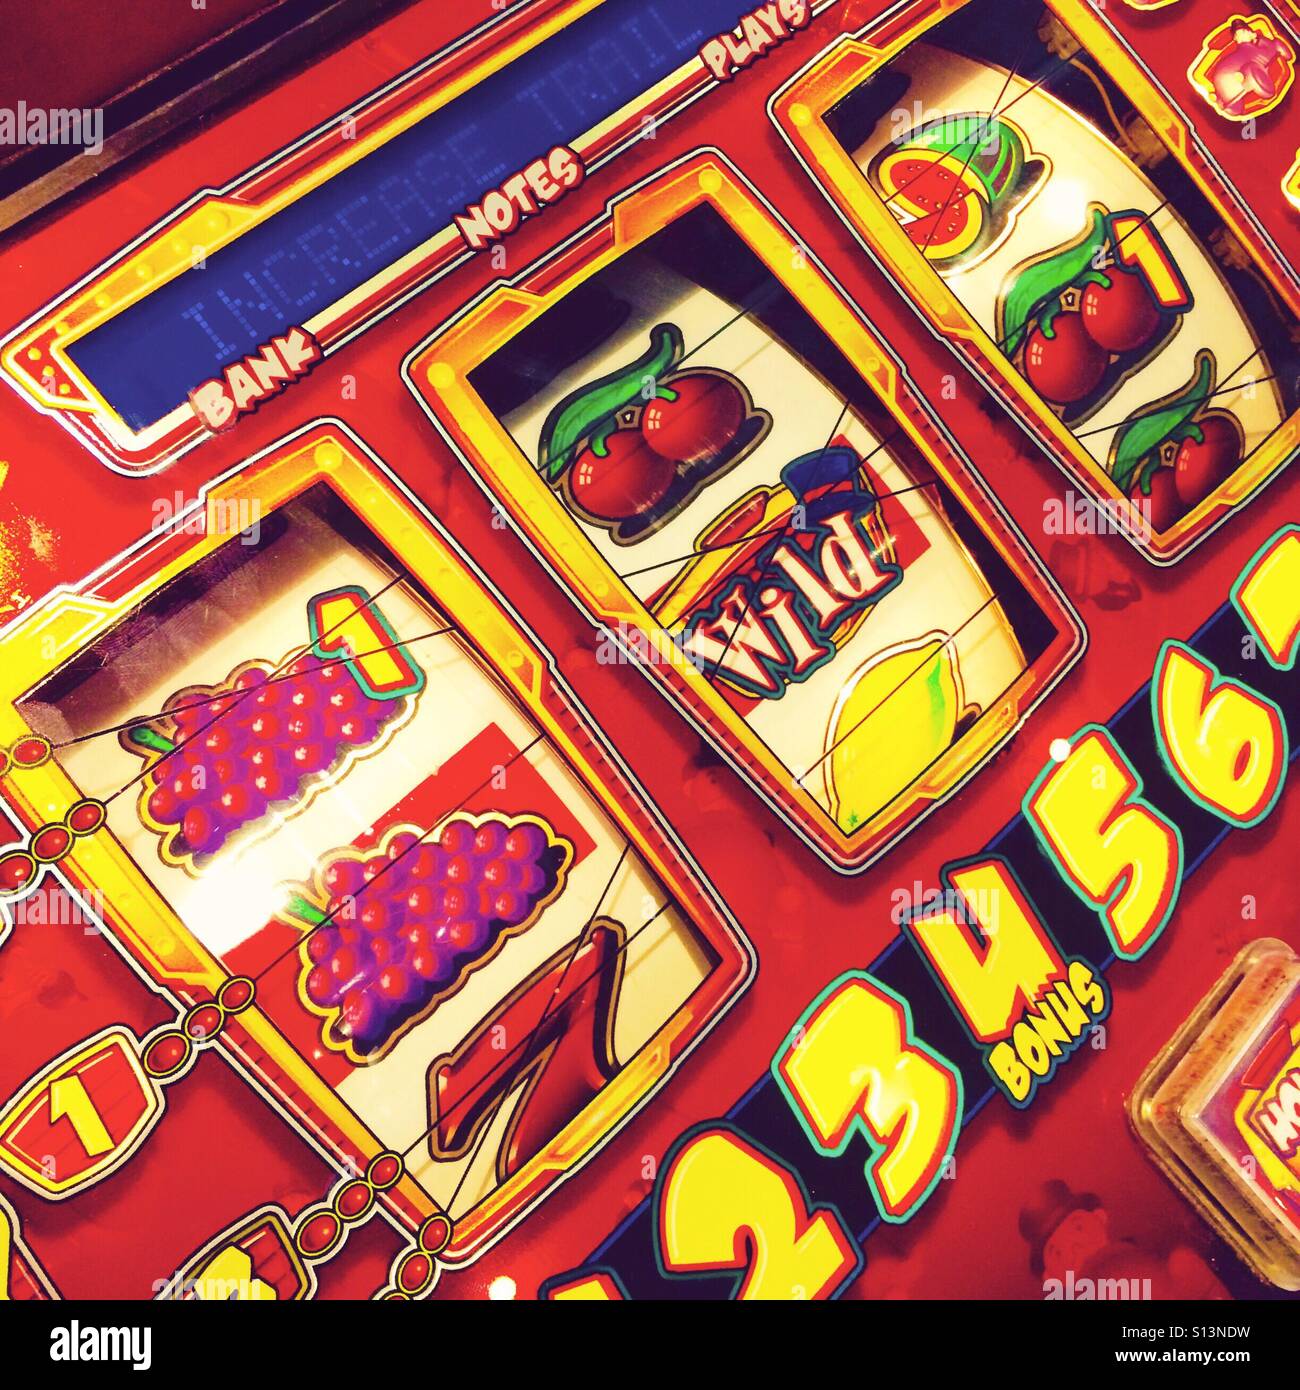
(1207,752)
(439,372)
(324,453)
(35,357)
(80,1118)
(799,111)
(344,625)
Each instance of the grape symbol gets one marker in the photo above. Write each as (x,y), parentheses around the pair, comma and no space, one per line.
(228,755)
(379,957)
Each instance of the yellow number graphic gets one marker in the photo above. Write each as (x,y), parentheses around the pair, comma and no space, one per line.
(229,1275)
(346,623)
(1140,246)
(1225,743)
(1119,854)
(853,1066)
(994,979)
(68,1096)
(1267,595)
(725,1204)
(595,1288)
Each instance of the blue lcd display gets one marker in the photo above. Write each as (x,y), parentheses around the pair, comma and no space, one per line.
(146,359)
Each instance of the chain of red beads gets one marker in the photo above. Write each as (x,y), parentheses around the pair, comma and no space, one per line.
(30,751)
(322,1229)
(168,1052)
(51,842)
(414,1270)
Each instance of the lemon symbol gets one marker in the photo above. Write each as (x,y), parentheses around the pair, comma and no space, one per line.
(894,717)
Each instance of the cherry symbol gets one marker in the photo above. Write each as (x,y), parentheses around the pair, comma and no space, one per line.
(1121,318)
(1069,365)
(1161,506)
(696,420)
(630,479)
(1199,467)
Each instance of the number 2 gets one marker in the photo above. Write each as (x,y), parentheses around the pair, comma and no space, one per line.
(724,1203)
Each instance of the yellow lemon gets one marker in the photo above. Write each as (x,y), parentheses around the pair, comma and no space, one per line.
(893,719)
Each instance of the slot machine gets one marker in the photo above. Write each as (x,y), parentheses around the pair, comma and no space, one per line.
(647,651)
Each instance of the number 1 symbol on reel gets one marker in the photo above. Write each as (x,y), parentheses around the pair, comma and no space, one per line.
(80,1118)
(346,623)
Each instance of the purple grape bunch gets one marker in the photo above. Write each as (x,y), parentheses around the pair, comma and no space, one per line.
(380,956)
(251,747)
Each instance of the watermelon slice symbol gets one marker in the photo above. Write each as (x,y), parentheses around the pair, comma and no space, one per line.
(931,195)
(955,182)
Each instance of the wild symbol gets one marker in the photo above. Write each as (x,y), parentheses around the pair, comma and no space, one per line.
(783,611)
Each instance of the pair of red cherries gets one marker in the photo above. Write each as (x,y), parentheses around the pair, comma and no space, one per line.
(1068,367)
(695,418)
